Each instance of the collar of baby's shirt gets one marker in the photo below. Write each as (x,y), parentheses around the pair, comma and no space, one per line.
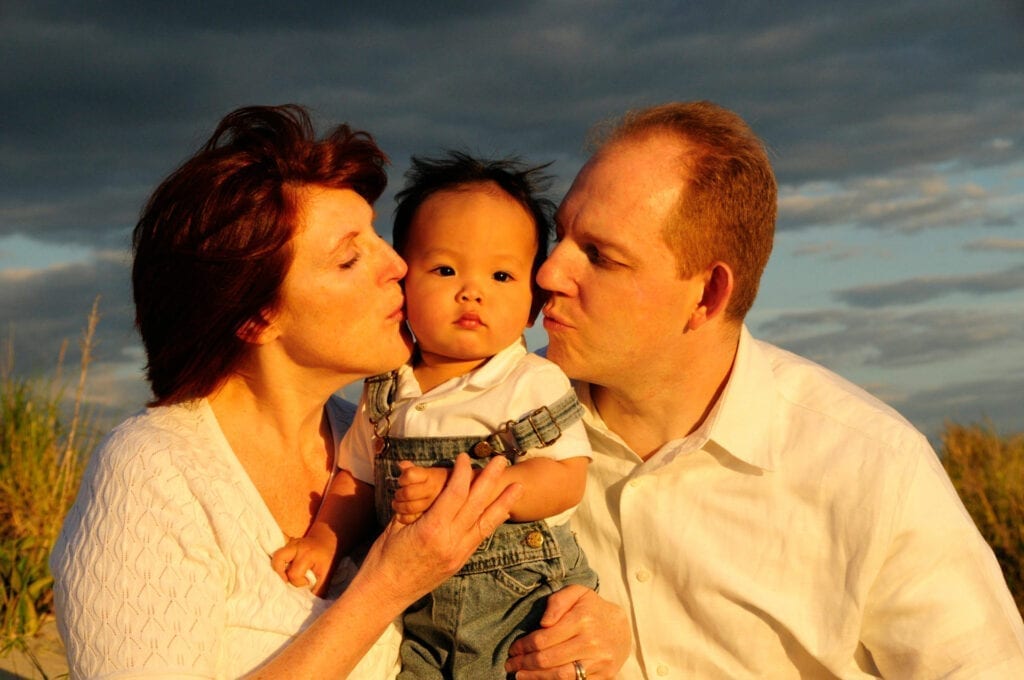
(496,369)
(492,372)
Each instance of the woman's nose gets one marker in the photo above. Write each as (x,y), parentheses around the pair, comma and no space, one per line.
(394,267)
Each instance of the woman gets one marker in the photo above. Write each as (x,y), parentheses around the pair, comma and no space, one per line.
(260,289)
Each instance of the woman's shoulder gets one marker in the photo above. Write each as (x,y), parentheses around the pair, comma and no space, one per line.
(158,435)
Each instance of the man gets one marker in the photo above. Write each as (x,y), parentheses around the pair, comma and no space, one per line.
(754,514)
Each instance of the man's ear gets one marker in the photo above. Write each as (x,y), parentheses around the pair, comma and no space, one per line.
(718,287)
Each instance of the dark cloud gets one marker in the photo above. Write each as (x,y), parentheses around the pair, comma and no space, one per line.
(890,350)
(43,309)
(110,96)
(848,339)
(996,244)
(994,400)
(925,288)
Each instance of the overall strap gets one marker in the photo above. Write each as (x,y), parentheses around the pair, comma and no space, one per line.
(380,394)
(537,429)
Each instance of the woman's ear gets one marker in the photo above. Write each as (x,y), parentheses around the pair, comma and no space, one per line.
(718,287)
(257,330)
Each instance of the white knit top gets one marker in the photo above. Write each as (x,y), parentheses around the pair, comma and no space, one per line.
(162,568)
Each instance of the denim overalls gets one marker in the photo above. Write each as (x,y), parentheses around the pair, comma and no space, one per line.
(464,628)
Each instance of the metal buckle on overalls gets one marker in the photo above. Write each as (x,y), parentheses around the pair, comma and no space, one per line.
(501,443)
(381,428)
(536,429)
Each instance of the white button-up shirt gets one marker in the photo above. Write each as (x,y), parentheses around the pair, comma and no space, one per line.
(511,384)
(805,530)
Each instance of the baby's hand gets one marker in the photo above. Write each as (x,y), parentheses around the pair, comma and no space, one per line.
(418,487)
(303,562)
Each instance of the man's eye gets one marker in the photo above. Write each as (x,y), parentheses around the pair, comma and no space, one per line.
(502,276)
(444,270)
(593,254)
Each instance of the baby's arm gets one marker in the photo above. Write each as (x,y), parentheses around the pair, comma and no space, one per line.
(343,519)
(549,487)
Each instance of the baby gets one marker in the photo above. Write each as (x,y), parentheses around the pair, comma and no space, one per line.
(473,233)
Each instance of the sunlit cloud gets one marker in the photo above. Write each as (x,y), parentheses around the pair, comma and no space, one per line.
(900,202)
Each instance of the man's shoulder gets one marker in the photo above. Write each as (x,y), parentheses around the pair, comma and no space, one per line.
(807,390)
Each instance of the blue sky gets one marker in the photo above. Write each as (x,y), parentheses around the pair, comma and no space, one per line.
(896,130)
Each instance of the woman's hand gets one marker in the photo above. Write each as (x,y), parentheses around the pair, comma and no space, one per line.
(414,559)
(578,625)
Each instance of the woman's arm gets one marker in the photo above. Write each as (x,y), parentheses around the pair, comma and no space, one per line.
(405,563)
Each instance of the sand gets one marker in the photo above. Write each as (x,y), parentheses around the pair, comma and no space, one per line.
(48,650)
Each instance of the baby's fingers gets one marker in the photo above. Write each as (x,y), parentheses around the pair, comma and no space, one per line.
(281,558)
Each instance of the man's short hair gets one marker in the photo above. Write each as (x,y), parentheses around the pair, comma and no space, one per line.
(727,209)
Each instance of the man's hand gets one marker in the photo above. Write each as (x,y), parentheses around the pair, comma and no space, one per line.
(578,625)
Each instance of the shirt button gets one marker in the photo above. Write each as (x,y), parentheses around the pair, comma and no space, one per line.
(642,575)
(421,407)
(662,670)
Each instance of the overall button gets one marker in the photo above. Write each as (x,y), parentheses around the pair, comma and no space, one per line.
(535,539)
(482,450)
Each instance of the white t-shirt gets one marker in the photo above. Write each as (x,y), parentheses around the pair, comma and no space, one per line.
(805,530)
(162,568)
(511,384)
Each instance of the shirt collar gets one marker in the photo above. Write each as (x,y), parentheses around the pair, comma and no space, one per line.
(740,424)
(490,373)
(744,423)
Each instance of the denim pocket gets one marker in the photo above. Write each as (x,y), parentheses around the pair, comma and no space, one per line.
(523,579)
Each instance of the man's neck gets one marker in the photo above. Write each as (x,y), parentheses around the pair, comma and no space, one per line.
(670,402)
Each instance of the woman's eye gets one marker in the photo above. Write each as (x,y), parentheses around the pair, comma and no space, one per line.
(502,276)
(349,263)
(444,270)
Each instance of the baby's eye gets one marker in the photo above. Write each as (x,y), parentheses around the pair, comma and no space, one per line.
(502,276)
(444,270)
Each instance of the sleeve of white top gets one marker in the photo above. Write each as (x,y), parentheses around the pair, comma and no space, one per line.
(144,572)
(356,452)
(939,606)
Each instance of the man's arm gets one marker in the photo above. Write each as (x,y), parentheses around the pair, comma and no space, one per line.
(578,625)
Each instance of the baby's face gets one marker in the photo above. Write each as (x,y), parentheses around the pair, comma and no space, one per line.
(470,253)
